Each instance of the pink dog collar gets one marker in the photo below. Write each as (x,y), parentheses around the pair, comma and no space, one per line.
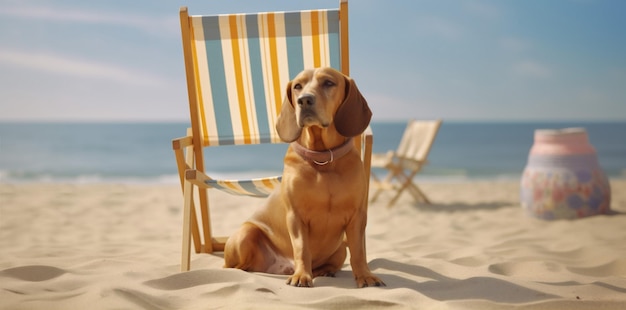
(325,157)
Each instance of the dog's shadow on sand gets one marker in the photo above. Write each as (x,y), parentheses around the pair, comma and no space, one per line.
(454,206)
(462,206)
(484,206)
(444,288)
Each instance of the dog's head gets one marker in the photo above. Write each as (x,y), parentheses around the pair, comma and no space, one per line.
(321,97)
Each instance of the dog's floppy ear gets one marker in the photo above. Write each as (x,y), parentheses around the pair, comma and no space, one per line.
(353,115)
(286,124)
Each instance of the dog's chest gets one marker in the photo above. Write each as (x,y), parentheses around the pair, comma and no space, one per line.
(330,191)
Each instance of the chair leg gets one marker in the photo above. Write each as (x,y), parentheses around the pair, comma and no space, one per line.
(418,194)
(407,182)
(403,180)
(186,248)
(378,185)
(206,220)
(414,190)
(398,193)
(381,185)
(195,231)
(190,223)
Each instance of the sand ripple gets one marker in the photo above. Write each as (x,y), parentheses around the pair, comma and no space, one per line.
(33,273)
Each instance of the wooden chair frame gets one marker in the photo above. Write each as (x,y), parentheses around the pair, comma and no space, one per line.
(405,163)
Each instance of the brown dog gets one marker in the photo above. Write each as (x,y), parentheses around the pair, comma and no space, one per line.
(300,230)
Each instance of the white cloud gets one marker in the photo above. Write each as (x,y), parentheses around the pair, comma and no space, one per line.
(78,68)
(437,26)
(157,26)
(531,69)
(516,45)
(394,107)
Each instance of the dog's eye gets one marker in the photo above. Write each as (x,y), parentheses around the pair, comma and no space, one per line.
(297,86)
(329,83)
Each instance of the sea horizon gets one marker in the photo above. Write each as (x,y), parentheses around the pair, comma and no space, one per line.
(141,152)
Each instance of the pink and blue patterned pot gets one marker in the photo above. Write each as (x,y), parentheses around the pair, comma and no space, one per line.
(562,179)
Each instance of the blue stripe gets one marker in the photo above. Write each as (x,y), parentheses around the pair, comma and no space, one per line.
(248,185)
(251,188)
(216,185)
(215,60)
(258,86)
(293,31)
(333,39)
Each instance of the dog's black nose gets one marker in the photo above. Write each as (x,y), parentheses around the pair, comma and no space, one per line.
(306,100)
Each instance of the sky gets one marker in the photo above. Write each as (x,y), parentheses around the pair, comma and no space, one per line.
(460,60)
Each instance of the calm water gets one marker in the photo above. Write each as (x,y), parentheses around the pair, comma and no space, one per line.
(127,152)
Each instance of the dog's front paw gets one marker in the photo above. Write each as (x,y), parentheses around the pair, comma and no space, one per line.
(368,280)
(300,280)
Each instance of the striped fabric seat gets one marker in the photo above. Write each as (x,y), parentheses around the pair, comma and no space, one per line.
(244,62)
(253,187)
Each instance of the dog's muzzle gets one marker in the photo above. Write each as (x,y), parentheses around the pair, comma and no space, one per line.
(308,114)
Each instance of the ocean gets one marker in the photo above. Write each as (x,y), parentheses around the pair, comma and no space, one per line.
(142,152)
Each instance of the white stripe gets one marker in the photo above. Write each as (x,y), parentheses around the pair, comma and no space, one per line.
(325,49)
(204,81)
(307,42)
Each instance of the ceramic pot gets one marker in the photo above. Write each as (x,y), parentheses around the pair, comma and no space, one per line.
(563,179)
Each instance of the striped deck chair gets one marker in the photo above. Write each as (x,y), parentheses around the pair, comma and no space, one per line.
(406,161)
(237,68)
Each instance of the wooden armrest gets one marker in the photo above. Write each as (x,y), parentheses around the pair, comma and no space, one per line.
(411,164)
(381,160)
(182,142)
(197,177)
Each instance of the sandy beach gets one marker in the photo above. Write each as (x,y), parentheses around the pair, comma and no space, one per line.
(108,246)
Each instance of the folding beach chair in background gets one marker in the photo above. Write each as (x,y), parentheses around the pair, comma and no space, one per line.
(237,69)
(406,162)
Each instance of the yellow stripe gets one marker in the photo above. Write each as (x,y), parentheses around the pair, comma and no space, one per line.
(232,186)
(315,31)
(243,113)
(274,61)
(268,183)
